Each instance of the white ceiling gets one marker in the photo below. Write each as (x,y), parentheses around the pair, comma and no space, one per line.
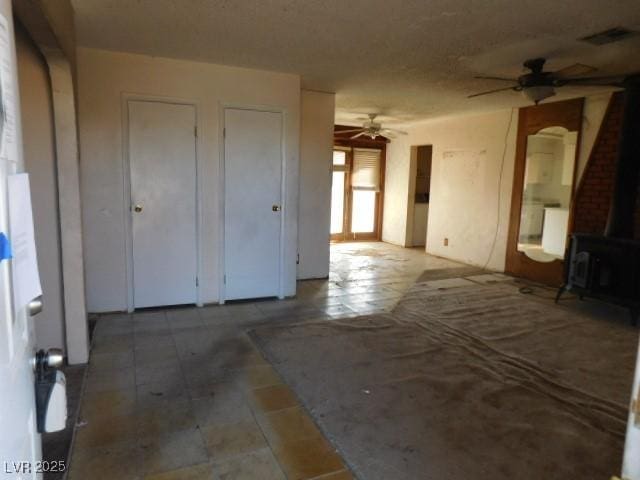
(406,59)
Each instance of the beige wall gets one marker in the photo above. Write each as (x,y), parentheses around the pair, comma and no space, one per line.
(464,208)
(104,77)
(316,153)
(40,162)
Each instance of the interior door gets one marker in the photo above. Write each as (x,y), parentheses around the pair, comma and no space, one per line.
(253,209)
(19,440)
(162,158)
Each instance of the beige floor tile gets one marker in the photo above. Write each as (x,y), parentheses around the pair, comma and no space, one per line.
(258,465)
(208,389)
(162,392)
(108,404)
(342,475)
(120,461)
(155,373)
(224,441)
(163,453)
(106,430)
(165,419)
(112,380)
(250,378)
(113,343)
(287,426)
(203,471)
(151,356)
(306,459)
(153,339)
(106,362)
(221,410)
(271,399)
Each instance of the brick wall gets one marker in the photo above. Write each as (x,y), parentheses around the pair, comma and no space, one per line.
(594,193)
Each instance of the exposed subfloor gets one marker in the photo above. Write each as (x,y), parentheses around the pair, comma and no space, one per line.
(470,376)
(184,394)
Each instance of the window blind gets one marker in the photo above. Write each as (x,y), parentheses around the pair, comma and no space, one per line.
(366,169)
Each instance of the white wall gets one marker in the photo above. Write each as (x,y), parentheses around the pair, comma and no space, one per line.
(40,162)
(463,209)
(316,153)
(104,77)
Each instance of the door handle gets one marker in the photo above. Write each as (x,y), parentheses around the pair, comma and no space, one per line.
(276,208)
(35,306)
(53,358)
(137,208)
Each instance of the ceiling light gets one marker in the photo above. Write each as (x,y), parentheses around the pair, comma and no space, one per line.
(538,93)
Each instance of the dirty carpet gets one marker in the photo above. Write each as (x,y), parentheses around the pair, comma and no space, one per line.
(472,382)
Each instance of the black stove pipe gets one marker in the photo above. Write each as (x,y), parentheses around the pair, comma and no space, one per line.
(620,223)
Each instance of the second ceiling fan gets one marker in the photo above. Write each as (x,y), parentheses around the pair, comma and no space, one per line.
(538,85)
(371,129)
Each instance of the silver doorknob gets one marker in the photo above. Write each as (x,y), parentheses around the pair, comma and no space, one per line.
(275,208)
(35,306)
(52,358)
(137,208)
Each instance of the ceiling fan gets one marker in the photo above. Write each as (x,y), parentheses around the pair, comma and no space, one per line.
(538,85)
(372,129)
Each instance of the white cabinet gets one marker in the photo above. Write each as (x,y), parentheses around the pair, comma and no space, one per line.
(554,232)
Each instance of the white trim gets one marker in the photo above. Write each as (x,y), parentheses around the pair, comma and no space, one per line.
(126,188)
(221,197)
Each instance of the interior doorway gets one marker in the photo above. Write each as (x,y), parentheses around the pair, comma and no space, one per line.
(356,193)
(419,195)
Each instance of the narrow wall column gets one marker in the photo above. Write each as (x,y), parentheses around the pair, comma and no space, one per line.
(77,334)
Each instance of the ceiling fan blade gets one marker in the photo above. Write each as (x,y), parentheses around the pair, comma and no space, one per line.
(358,135)
(482,77)
(493,91)
(575,70)
(393,131)
(340,132)
(612,81)
(387,133)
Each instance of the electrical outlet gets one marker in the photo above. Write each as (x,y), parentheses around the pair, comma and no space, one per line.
(446,242)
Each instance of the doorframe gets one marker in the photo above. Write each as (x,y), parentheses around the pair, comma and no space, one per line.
(349,146)
(126,189)
(222,107)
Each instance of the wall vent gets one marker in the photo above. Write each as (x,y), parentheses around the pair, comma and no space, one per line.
(612,35)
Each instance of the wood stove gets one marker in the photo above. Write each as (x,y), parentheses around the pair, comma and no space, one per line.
(607,266)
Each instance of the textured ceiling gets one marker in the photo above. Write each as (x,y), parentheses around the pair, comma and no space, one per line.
(406,59)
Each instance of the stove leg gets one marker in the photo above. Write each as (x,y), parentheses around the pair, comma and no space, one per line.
(561,290)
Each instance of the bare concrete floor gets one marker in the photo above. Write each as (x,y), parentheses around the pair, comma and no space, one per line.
(184,394)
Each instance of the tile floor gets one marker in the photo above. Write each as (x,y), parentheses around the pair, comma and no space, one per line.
(184,394)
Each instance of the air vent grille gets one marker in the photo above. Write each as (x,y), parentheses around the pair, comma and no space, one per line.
(609,36)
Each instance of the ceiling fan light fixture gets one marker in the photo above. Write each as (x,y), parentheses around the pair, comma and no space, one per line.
(538,93)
